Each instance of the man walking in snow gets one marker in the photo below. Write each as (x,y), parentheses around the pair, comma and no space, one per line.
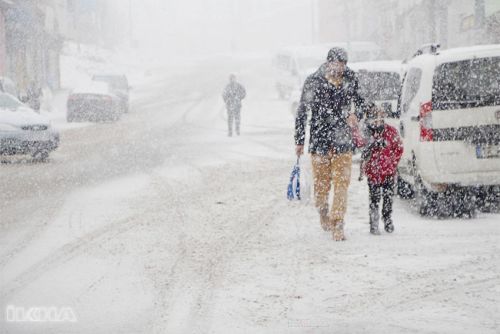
(380,159)
(232,95)
(328,95)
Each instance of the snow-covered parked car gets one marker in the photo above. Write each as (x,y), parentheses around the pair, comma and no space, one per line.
(23,131)
(119,86)
(450,125)
(93,102)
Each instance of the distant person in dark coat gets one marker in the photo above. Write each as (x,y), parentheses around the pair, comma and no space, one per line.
(232,95)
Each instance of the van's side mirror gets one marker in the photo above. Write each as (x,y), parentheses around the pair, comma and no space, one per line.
(397,112)
(387,108)
(389,111)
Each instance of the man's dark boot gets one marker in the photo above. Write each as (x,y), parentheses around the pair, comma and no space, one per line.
(338,231)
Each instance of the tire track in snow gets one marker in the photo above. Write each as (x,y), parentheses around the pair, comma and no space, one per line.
(187,298)
(31,235)
(66,253)
(419,287)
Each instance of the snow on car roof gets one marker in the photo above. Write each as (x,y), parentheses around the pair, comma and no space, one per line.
(479,50)
(457,54)
(93,87)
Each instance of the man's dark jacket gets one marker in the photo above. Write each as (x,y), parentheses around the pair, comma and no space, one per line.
(329,107)
(233,94)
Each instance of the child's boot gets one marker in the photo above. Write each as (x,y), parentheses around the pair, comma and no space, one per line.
(389,226)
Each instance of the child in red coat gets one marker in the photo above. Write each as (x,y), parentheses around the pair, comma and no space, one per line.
(380,159)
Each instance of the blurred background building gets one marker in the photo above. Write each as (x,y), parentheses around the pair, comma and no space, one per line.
(34,32)
(400,27)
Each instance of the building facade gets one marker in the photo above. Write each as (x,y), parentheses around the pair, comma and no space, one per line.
(31,39)
(401,27)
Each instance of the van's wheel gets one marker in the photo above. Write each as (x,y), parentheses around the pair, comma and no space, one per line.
(488,199)
(424,199)
(445,204)
(405,190)
(441,204)
(464,203)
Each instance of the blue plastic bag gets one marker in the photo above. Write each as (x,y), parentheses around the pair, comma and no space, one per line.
(293,191)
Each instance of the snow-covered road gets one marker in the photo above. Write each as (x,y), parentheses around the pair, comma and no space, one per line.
(160,223)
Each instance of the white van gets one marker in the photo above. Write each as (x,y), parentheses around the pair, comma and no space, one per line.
(450,125)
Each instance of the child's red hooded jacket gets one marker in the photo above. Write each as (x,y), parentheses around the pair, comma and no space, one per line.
(383,161)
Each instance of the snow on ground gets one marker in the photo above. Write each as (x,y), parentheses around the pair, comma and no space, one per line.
(201,239)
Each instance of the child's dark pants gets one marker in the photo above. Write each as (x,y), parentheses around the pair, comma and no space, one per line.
(385,190)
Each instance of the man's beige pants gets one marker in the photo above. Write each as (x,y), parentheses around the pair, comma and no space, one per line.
(328,169)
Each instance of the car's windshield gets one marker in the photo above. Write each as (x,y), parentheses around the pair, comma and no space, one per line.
(9,102)
(467,83)
(379,86)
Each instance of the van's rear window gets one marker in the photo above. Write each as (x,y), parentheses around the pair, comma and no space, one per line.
(379,86)
(467,84)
